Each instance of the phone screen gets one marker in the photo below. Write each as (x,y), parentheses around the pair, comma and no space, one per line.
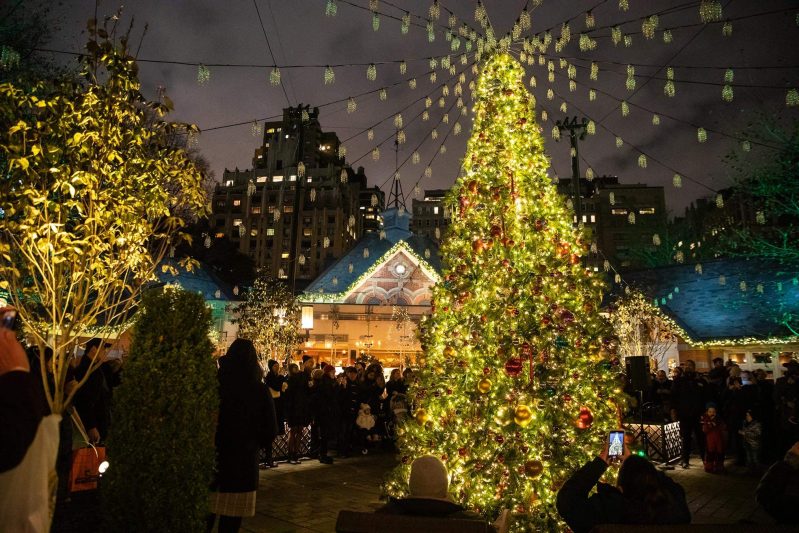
(8,319)
(615,444)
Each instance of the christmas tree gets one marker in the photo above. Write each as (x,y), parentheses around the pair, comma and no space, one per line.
(516,389)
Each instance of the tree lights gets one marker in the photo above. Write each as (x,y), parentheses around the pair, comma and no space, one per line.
(516,389)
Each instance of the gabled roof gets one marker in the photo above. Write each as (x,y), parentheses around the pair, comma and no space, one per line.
(730,300)
(337,281)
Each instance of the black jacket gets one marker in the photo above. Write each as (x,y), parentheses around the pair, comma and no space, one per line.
(93,399)
(297,400)
(609,506)
(246,423)
(349,399)
(19,417)
(688,396)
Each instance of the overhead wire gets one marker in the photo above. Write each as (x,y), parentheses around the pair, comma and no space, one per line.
(269,46)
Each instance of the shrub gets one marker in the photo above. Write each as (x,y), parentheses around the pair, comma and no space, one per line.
(161,443)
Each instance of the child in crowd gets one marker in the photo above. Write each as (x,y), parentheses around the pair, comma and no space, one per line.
(714,429)
(750,432)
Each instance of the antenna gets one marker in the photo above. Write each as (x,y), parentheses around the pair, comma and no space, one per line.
(396,197)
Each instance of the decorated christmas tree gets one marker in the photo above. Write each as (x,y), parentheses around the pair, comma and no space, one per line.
(517,387)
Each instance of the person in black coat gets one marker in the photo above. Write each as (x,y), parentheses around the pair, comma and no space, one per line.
(275,383)
(93,399)
(688,398)
(348,398)
(246,422)
(325,411)
(298,406)
(642,496)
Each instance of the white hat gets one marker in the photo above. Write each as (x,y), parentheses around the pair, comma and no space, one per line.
(429,478)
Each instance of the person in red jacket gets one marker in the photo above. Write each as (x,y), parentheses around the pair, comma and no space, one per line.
(714,430)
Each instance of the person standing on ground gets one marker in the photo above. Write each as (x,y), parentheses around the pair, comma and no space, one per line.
(778,490)
(751,432)
(276,384)
(325,411)
(348,396)
(715,438)
(786,400)
(92,401)
(298,412)
(688,394)
(246,423)
(661,393)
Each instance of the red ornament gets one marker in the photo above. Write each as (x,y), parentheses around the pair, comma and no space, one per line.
(567,398)
(496,231)
(500,439)
(486,370)
(513,367)
(462,452)
(567,316)
(473,184)
(540,224)
(478,245)
(585,419)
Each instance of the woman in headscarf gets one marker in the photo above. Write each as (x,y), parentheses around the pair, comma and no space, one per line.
(246,422)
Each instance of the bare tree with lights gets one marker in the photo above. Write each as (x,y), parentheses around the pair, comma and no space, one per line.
(269,316)
(640,329)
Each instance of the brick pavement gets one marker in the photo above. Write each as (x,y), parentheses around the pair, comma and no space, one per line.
(306,498)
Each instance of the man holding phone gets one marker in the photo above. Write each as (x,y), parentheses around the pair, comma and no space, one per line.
(642,495)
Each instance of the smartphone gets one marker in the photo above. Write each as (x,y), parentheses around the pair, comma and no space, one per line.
(615,444)
(8,319)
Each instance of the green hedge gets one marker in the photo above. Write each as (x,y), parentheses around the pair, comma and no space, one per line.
(161,441)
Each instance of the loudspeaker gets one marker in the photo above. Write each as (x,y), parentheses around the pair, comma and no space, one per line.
(638,371)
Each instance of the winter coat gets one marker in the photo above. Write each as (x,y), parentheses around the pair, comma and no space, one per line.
(20,414)
(349,399)
(246,423)
(298,400)
(325,400)
(275,383)
(688,396)
(751,434)
(778,490)
(714,429)
(93,399)
(609,506)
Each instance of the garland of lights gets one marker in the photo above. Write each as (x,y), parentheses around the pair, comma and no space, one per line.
(338,298)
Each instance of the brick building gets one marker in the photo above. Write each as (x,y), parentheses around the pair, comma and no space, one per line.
(429,215)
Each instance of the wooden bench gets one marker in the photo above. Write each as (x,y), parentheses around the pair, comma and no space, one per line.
(355,522)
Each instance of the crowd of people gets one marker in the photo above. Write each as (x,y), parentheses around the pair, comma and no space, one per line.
(355,408)
(729,412)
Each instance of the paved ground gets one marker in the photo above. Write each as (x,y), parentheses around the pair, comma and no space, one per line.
(306,498)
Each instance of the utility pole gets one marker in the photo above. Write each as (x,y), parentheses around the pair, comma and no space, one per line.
(577,132)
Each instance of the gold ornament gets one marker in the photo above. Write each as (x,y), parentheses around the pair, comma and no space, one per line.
(484,385)
(421,416)
(523,415)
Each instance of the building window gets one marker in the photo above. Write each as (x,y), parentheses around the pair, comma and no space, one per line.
(220,235)
(293,177)
(229,183)
(236,222)
(647,211)
(593,218)
(277,179)
(236,203)
(618,211)
(270,231)
(288,208)
(220,204)
(284,255)
(255,210)
(306,232)
(585,218)
(254,233)
(262,179)
(435,210)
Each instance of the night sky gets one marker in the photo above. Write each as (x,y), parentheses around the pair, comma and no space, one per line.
(213,31)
